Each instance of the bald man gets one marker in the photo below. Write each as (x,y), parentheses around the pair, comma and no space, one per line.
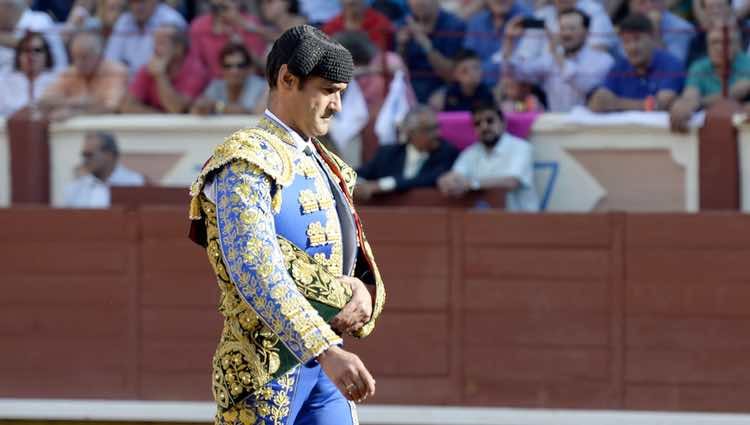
(91,84)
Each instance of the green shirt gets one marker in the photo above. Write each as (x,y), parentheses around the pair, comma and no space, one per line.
(702,74)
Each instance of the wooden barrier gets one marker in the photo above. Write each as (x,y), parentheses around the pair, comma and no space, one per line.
(645,311)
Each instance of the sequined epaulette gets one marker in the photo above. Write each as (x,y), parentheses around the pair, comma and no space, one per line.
(259,148)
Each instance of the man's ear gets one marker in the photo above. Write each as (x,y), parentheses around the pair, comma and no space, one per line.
(286,79)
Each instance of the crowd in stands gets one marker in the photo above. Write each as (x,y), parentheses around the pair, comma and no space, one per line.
(207,57)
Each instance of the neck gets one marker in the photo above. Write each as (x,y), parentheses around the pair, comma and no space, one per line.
(234,90)
(469,90)
(573,51)
(104,173)
(280,111)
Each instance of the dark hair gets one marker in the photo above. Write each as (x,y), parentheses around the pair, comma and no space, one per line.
(637,23)
(487,105)
(107,141)
(232,48)
(49,62)
(466,54)
(358,44)
(294,7)
(573,11)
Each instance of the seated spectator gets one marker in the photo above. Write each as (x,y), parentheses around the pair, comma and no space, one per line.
(278,16)
(132,40)
(15,20)
(356,15)
(90,15)
(671,31)
(100,170)
(467,89)
(107,14)
(569,70)
(428,41)
(417,161)
(210,33)
(515,95)
(91,84)
(32,74)
(602,35)
(704,80)
(172,79)
(240,91)
(497,160)
(484,34)
(708,11)
(395,10)
(646,79)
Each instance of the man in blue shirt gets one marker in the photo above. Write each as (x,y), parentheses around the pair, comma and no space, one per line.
(646,79)
(674,32)
(484,34)
(428,41)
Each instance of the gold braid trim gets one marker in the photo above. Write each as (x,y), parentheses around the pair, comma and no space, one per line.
(257,147)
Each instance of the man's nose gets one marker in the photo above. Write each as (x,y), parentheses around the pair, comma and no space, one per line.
(336,102)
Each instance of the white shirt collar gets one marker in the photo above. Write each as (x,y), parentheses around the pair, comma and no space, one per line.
(299,142)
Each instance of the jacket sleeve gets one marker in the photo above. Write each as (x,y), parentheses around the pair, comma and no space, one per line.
(256,264)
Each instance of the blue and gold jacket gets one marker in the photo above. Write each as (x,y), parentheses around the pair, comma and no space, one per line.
(279,228)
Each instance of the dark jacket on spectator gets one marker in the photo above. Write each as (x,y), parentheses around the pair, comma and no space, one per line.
(389,162)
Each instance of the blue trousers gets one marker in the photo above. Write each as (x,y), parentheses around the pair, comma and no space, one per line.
(302,396)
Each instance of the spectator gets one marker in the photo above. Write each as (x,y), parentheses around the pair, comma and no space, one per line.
(704,82)
(514,95)
(497,160)
(172,79)
(279,16)
(467,89)
(318,12)
(240,91)
(32,73)
(15,20)
(601,32)
(417,161)
(90,15)
(356,15)
(646,79)
(211,32)
(395,10)
(672,32)
(107,14)
(91,84)
(708,11)
(428,41)
(132,42)
(484,34)
(569,70)
(100,170)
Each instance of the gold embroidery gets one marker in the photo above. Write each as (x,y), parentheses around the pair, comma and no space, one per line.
(316,234)
(308,201)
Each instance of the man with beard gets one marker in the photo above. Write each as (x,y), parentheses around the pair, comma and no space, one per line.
(569,70)
(647,79)
(497,160)
(273,209)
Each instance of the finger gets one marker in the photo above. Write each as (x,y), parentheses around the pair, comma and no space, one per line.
(367,380)
(346,390)
(354,389)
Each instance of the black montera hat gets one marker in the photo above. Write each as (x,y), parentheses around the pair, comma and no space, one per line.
(308,52)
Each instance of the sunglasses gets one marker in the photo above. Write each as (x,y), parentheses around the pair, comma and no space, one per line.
(241,65)
(36,50)
(486,120)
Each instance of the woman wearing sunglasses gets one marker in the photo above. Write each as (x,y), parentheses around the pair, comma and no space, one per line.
(239,91)
(32,73)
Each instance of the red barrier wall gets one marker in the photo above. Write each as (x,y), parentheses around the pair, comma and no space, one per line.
(584,311)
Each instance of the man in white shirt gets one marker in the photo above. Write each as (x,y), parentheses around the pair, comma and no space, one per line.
(497,160)
(101,170)
(15,19)
(602,32)
(132,40)
(569,69)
